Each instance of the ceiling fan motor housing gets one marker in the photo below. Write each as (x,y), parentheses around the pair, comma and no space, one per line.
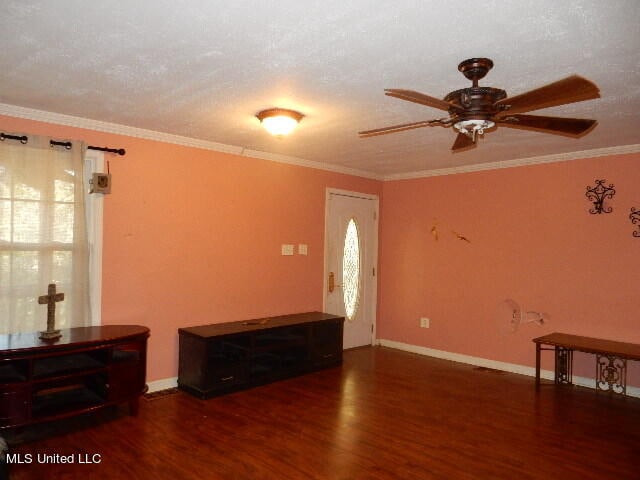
(479,108)
(477,102)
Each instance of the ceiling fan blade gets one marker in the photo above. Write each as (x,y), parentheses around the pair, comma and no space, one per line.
(421,98)
(568,90)
(574,127)
(395,128)
(462,141)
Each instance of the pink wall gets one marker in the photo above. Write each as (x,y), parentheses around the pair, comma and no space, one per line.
(532,239)
(193,236)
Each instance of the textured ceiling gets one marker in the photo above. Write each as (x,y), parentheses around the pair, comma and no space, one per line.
(203,68)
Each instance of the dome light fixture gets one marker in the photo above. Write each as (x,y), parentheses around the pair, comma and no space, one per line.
(279,121)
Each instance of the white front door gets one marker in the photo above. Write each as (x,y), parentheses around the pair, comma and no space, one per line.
(351,252)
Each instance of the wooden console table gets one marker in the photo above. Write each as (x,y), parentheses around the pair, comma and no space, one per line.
(224,357)
(86,369)
(611,359)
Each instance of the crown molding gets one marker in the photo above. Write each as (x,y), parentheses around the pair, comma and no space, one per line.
(274,157)
(115,128)
(519,162)
(125,130)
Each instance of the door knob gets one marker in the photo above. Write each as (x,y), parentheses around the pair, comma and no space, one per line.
(332,282)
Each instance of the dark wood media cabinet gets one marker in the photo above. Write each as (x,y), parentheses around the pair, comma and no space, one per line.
(86,369)
(224,357)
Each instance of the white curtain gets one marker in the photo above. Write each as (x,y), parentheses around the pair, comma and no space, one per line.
(43,235)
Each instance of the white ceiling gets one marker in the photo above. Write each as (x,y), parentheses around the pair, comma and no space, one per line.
(203,68)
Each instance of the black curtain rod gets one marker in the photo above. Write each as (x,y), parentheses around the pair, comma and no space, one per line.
(24,139)
(118,151)
(68,145)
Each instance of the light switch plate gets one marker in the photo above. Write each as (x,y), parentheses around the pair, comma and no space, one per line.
(287,249)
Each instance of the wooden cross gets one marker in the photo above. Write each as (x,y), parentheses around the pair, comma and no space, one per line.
(50,299)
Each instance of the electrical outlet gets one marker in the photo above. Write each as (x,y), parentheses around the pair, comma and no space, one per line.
(424,322)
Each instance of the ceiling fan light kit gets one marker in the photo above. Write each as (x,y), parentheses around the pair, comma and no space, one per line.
(279,121)
(475,109)
(472,127)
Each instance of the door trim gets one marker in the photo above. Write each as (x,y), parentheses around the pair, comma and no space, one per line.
(374,293)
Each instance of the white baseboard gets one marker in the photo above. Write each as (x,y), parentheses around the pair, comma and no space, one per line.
(163,384)
(172,382)
(494,364)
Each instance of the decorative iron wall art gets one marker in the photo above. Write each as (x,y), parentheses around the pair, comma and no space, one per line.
(634,216)
(598,194)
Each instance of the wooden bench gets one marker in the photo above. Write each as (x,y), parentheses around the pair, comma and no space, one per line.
(611,359)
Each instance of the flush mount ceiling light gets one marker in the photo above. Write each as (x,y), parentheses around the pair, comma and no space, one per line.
(279,121)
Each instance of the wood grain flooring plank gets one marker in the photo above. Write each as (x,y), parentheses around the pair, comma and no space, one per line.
(383,414)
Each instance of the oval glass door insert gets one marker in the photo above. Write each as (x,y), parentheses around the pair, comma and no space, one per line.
(351,269)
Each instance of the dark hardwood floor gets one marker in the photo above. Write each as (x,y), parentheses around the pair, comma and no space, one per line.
(383,414)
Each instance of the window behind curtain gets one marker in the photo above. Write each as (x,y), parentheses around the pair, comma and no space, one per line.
(42,235)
